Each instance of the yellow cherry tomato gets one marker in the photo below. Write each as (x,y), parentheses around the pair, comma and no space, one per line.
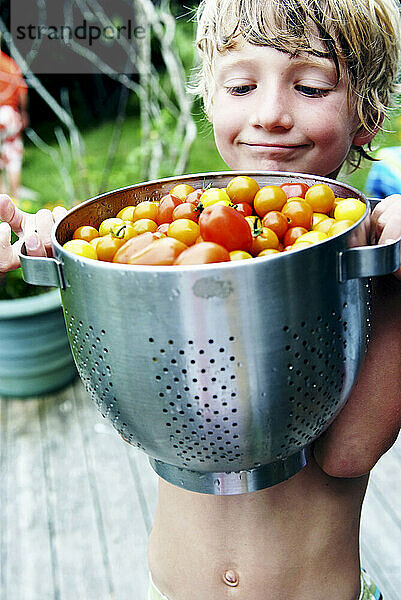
(86,232)
(127,213)
(214,196)
(269,197)
(320,197)
(311,236)
(242,189)
(81,248)
(107,225)
(317,218)
(268,251)
(254,222)
(107,246)
(144,225)
(301,245)
(181,190)
(324,225)
(350,208)
(239,255)
(339,227)
(124,231)
(267,239)
(184,230)
(145,210)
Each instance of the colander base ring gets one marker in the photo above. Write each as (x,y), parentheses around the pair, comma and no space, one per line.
(237,482)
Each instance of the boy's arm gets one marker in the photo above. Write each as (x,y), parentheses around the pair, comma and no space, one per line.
(369,423)
(34,230)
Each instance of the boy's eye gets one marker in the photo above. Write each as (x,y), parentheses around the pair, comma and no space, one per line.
(312,92)
(240,90)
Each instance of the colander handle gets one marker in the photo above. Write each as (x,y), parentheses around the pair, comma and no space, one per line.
(41,270)
(369,261)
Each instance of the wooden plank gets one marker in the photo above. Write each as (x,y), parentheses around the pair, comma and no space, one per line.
(122,503)
(80,551)
(380,525)
(27,564)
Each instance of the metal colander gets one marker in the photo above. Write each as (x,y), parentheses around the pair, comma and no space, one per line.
(224,374)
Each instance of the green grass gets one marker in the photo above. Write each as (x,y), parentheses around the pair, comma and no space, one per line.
(41,174)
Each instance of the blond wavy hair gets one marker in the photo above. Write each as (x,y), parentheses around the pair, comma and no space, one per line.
(362,37)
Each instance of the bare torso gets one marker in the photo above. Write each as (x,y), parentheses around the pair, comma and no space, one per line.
(295,541)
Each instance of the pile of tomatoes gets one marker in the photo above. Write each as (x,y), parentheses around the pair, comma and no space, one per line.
(196,226)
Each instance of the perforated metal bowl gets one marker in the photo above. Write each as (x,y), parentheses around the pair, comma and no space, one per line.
(223,374)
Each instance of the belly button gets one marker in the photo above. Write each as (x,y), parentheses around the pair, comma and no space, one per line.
(231,578)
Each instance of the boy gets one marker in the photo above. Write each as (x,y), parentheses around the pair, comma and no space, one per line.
(286,88)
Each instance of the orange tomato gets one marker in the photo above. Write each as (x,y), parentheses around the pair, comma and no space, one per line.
(203,253)
(269,197)
(86,232)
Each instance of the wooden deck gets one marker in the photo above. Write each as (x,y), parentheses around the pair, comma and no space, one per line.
(77,503)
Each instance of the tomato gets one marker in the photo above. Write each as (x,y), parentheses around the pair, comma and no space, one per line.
(317,218)
(298,189)
(243,208)
(133,246)
(184,230)
(350,208)
(163,228)
(145,210)
(225,226)
(214,196)
(269,197)
(107,225)
(339,227)
(81,248)
(165,209)
(144,225)
(86,232)
(268,251)
(159,252)
(127,213)
(298,213)
(311,236)
(194,196)
(203,253)
(267,239)
(242,189)
(181,190)
(292,234)
(277,222)
(301,245)
(239,255)
(107,246)
(186,210)
(255,224)
(320,197)
(324,225)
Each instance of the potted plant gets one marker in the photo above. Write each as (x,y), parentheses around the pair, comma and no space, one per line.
(35,357)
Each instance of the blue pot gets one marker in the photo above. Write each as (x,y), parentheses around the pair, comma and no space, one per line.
(35,356)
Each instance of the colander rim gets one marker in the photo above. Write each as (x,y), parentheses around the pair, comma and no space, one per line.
(209,266)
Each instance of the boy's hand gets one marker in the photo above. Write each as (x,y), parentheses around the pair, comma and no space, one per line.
(34,230)
(386,222)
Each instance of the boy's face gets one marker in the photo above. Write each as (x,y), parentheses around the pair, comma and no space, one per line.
(275,112)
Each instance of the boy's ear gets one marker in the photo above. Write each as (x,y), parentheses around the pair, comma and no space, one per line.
(363,136)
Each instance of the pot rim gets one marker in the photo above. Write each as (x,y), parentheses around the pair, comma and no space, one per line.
(25,307)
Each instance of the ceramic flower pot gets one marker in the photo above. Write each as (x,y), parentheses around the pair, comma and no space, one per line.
(35,357)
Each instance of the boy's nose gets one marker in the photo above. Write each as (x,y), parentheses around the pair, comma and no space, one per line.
(271,113)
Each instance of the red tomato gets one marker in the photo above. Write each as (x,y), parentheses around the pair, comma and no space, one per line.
(133,246)
(277,222)
(295,189)
(159,252)
(165,209)
(244,208)
(194,196)
(292,234)
(225,226)
(298,213)
(203,253)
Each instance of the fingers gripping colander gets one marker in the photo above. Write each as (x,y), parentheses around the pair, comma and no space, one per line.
(223,374)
